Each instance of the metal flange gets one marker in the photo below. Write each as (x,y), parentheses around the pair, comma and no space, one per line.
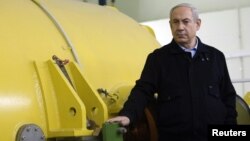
(30,132)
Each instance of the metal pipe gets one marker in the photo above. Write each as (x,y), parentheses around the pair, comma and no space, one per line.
(60,28)
(102,2)
(247,80)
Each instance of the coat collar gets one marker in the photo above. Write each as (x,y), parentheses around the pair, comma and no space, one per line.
(175,49)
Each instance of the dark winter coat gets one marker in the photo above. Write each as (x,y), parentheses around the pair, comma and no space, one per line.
(192,92)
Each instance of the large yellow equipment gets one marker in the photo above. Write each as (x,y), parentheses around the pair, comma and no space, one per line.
(64,65)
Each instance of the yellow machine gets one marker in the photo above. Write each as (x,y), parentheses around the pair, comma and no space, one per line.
(66,67)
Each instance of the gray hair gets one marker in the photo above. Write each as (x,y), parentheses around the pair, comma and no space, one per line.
(193,9)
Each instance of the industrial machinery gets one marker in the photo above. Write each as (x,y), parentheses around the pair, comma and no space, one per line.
(66,67)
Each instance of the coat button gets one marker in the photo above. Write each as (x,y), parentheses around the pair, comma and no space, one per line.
(210,86)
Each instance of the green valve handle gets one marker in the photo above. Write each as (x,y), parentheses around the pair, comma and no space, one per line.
(113,132)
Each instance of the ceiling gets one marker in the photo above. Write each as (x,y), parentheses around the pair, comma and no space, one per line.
(147,10)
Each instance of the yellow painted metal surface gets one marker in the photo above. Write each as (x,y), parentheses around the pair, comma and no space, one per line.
(247,98)
(243,111)
(105,48)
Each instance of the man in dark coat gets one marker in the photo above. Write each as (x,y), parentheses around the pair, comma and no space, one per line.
(191,81)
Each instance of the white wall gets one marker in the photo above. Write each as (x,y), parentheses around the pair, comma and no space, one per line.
(229,31)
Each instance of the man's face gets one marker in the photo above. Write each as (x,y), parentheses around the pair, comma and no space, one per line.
(184,26)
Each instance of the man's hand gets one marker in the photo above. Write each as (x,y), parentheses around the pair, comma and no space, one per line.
(122,120)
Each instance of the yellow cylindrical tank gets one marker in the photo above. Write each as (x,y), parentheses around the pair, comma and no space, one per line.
(58,58)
